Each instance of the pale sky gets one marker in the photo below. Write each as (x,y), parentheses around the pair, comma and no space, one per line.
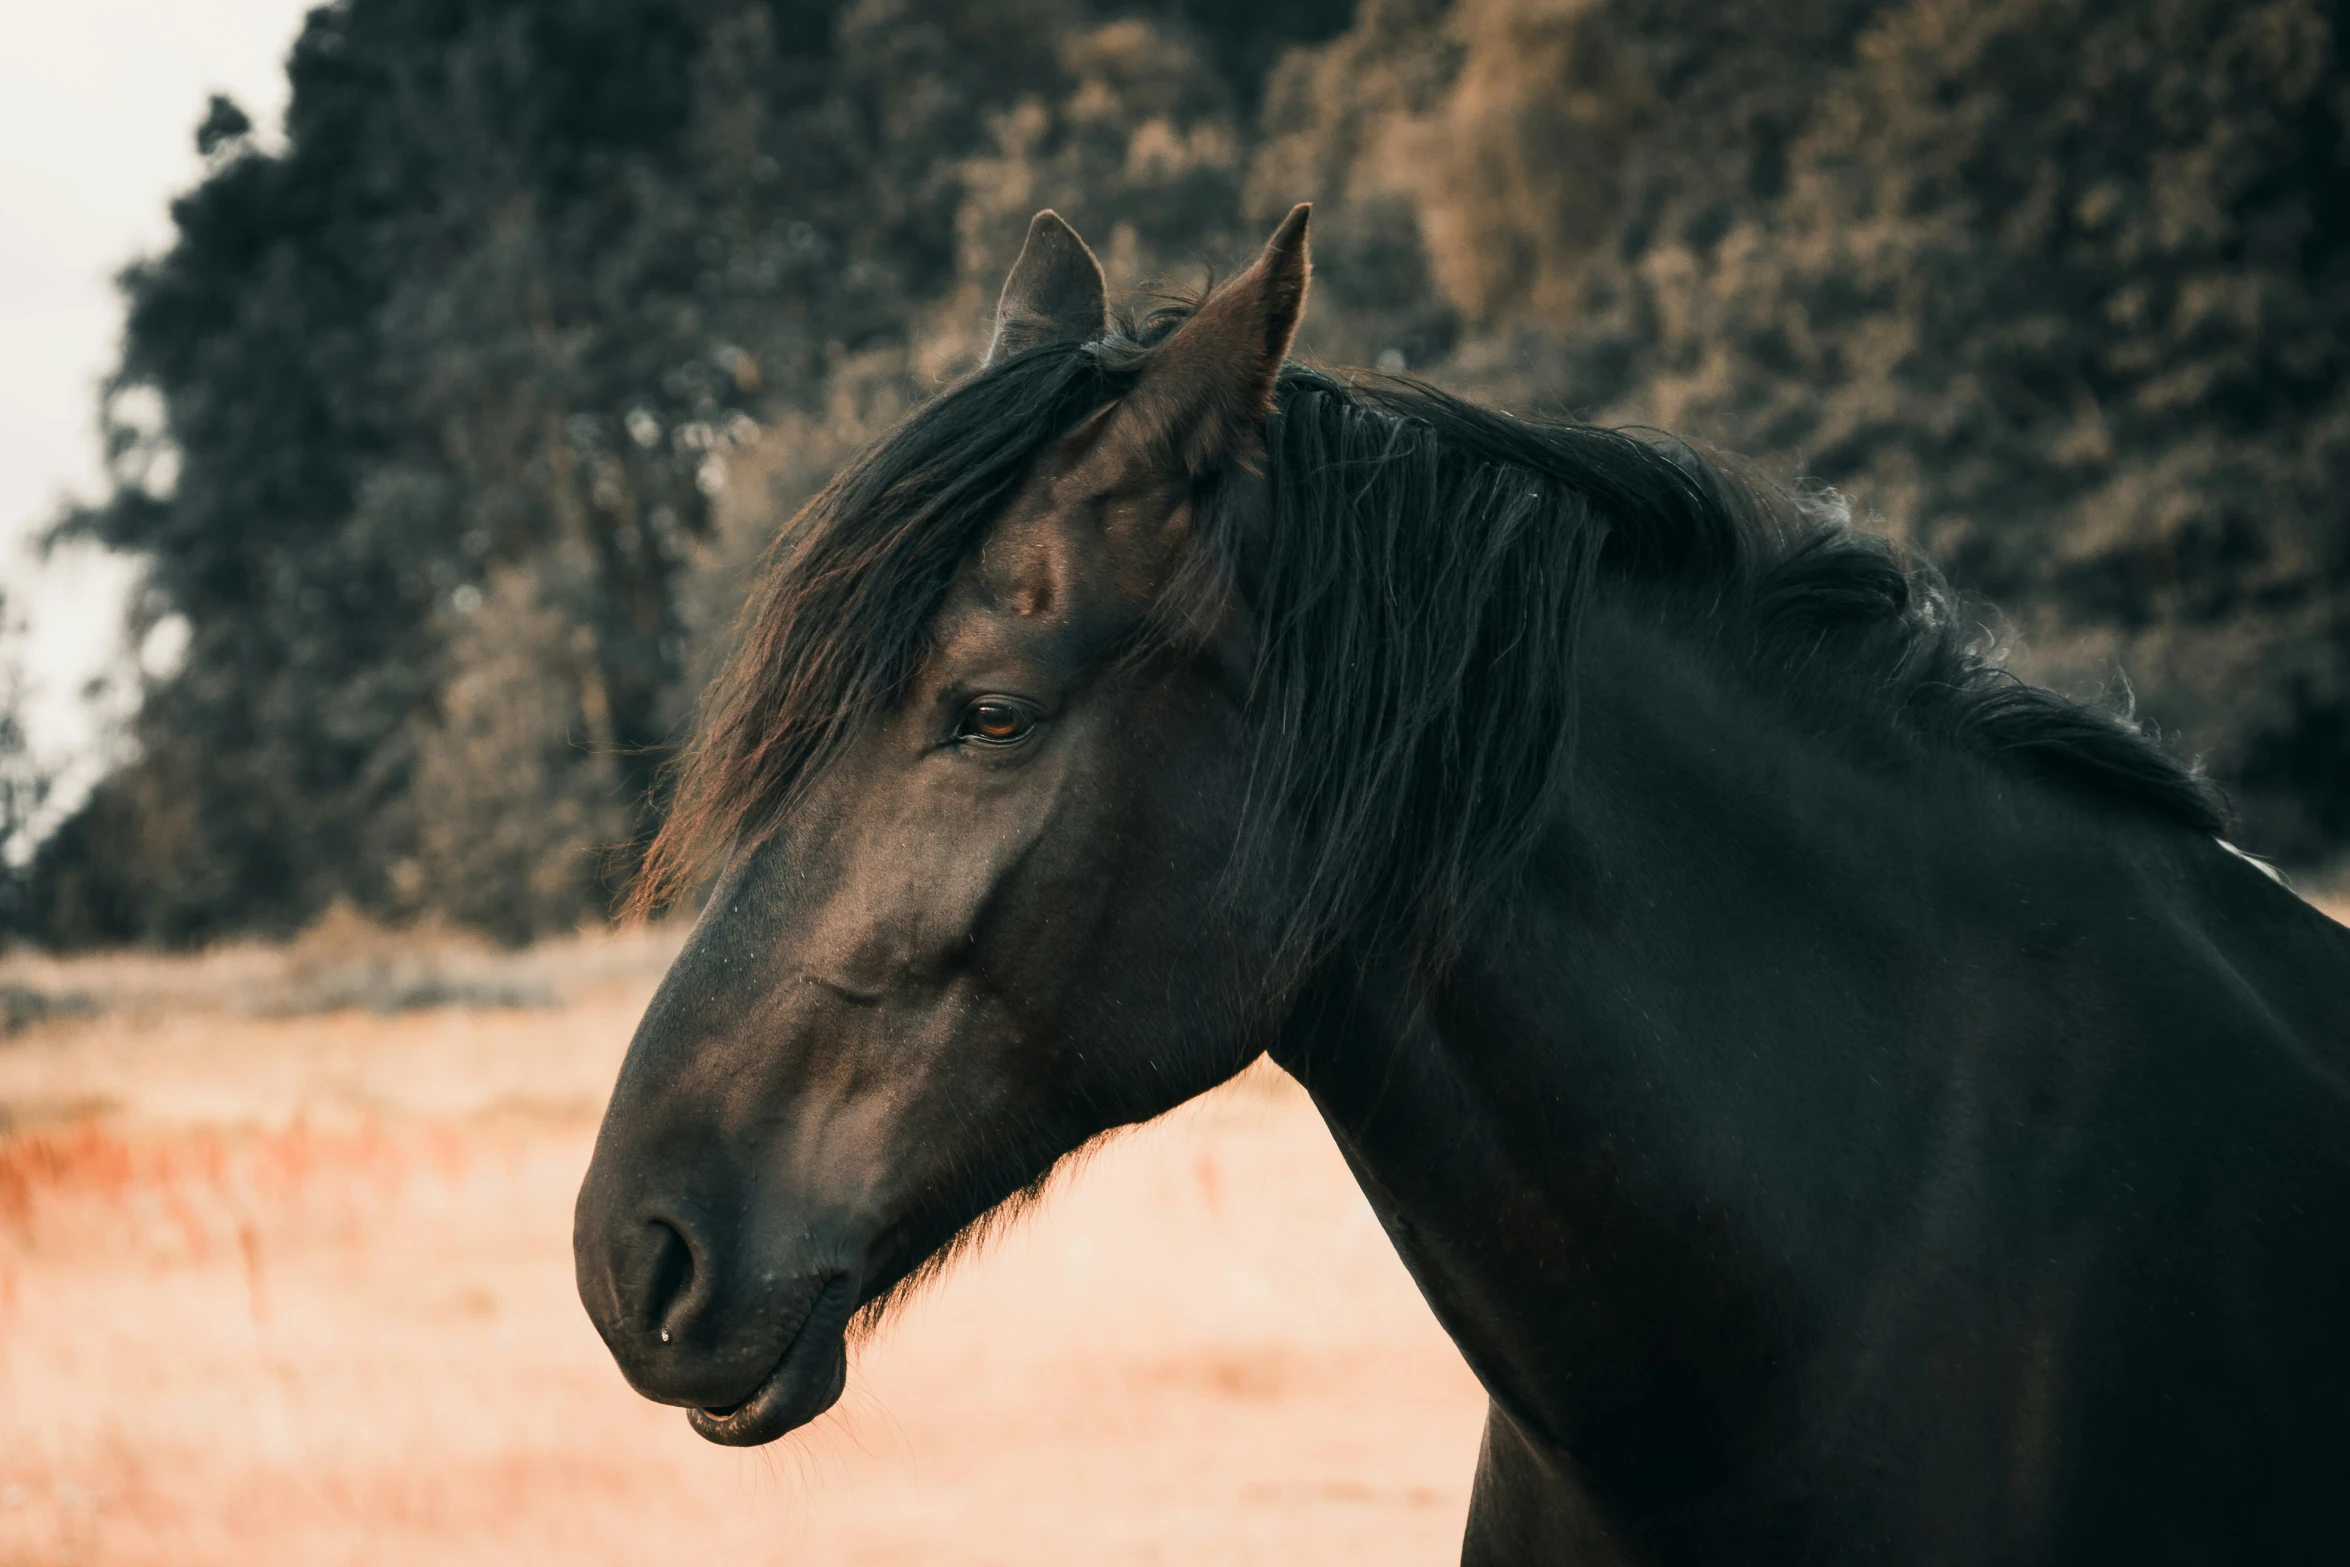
(99,101)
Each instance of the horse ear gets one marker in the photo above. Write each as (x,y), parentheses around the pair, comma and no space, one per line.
(1055,293)
(1208,389)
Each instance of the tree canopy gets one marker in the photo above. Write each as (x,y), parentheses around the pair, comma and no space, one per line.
(448,425)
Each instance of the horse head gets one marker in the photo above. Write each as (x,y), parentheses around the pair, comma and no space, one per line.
(974,781)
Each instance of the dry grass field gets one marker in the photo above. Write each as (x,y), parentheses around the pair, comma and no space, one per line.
(285,1277)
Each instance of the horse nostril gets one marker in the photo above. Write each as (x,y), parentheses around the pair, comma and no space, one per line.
(672,1275)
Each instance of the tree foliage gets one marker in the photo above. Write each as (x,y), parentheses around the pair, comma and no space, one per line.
(2056,288)
(476,395)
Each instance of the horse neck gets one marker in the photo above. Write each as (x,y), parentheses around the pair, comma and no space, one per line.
(1601,1143)
(1817,1098)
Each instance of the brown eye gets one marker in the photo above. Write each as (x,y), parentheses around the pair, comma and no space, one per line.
(995,721)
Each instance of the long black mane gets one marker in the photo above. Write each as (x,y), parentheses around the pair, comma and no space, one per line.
(1421,586)
(1427,569)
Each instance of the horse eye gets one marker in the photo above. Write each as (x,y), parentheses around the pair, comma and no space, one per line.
(995,721)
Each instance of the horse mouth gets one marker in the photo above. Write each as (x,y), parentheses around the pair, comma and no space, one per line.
(806,1379)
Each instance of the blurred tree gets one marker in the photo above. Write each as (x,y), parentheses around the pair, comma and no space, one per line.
(450,427)
(522,279)
(516,772)
(24,783)
(2063,290)
(487,341)
(2059,289)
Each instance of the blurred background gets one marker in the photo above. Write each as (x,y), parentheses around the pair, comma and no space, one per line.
(453,400)
(400,391)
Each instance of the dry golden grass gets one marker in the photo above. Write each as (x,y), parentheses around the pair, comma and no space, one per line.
(288,1285)
(342,963)
(281,1288)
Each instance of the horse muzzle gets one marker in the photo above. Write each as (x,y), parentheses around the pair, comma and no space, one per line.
(805,1381)
(747,1335)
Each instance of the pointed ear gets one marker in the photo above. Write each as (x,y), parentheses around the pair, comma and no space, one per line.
(1054,295)
(1208,389)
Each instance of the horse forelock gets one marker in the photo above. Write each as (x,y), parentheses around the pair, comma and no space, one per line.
(833,625)
(1419,581)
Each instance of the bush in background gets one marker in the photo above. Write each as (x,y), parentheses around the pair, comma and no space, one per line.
(482,394)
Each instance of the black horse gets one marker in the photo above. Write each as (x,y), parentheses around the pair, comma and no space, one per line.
(1846,1104)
